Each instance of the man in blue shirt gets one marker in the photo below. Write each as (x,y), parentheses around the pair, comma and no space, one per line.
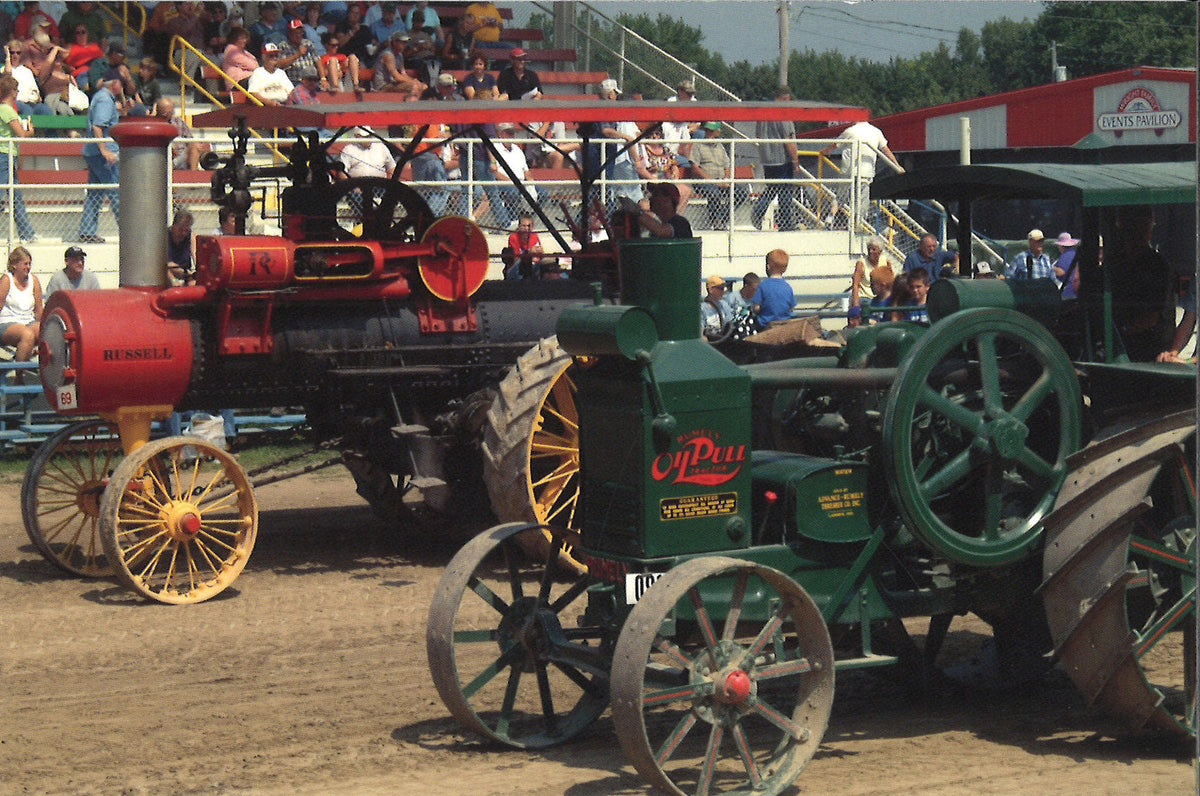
(931,258)
(774,299)
(386,25)
(1033,263)
(269,29)
(101,158)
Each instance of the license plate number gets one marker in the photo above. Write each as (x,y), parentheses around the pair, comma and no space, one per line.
(638,583)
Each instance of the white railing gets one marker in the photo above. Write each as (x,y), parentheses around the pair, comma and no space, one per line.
(725,216)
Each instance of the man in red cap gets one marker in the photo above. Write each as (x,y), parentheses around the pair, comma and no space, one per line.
(296,53)
(516,81)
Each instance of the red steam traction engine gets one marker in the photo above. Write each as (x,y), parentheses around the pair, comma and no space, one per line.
(383,334)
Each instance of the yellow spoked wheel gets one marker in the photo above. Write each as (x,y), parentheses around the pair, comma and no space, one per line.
(531,445)
(60,496)
(178,520)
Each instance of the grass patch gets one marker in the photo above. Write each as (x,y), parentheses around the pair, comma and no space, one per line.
(260,449)
(12,466)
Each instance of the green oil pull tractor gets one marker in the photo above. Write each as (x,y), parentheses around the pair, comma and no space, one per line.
(729,517)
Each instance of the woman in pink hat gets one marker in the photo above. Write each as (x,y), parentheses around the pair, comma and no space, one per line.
(1065,265)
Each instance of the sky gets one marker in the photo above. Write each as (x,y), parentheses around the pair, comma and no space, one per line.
(747,30)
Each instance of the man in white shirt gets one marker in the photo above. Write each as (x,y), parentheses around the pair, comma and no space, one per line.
(623,167)
(269,83)
(506,198)
(681,131)
(870,142)
(367,157)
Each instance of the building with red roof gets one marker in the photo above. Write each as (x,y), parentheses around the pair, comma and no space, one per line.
(1131,115)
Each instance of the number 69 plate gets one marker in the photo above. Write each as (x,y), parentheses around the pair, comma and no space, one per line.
(638,583)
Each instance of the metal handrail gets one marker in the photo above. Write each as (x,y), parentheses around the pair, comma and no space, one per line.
(122,19)
(186,80)
(183,47)
(897,230)
(624,61)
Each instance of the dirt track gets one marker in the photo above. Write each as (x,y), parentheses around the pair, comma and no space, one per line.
(308,676)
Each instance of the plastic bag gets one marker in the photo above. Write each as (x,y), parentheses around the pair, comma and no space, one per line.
(76,99)
(208,428)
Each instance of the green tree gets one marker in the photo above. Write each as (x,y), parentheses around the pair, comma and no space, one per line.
(972,77)
(1004,55)
(1015,54)
(1101,37)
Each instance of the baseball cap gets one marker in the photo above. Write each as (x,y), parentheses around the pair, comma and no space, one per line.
(608,84)
(74,251)
(712,125)
(716,280)
(505,126)
(446,79)
(516,52)
(1035,234)
(116,47)
(400,36)
(364,131)
(270,47)
(982,268)
(687,85)
(295,24)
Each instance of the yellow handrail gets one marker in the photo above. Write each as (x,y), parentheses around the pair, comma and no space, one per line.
(122,19)
(894,223)
(177,57)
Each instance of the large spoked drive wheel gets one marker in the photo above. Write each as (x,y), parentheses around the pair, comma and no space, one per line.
(736,698)
(983,414)
(60,496)
(178,520)
(531,444)
(509,650)
(1120,588)
(385,209)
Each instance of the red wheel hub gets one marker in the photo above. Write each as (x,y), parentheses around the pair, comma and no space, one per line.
(737,687)
(190,524)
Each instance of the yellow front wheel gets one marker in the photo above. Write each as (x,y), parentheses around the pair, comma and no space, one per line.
(178,520)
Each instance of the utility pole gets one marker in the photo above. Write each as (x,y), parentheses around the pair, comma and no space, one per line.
(784,48)
(1057,73)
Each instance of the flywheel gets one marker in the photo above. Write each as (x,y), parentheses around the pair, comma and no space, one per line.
(984,412)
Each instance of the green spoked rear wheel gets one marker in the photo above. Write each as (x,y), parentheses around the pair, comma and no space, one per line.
(511,652)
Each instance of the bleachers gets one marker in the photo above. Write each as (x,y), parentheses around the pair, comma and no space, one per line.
(519,35)
(41,122)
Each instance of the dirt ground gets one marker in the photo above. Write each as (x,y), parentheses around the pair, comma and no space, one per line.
(308,676)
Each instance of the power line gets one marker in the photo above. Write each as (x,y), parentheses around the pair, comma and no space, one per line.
(827,37)
(904,26)
(886,27)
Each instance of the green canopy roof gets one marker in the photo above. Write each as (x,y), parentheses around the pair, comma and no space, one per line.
(1086,185)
